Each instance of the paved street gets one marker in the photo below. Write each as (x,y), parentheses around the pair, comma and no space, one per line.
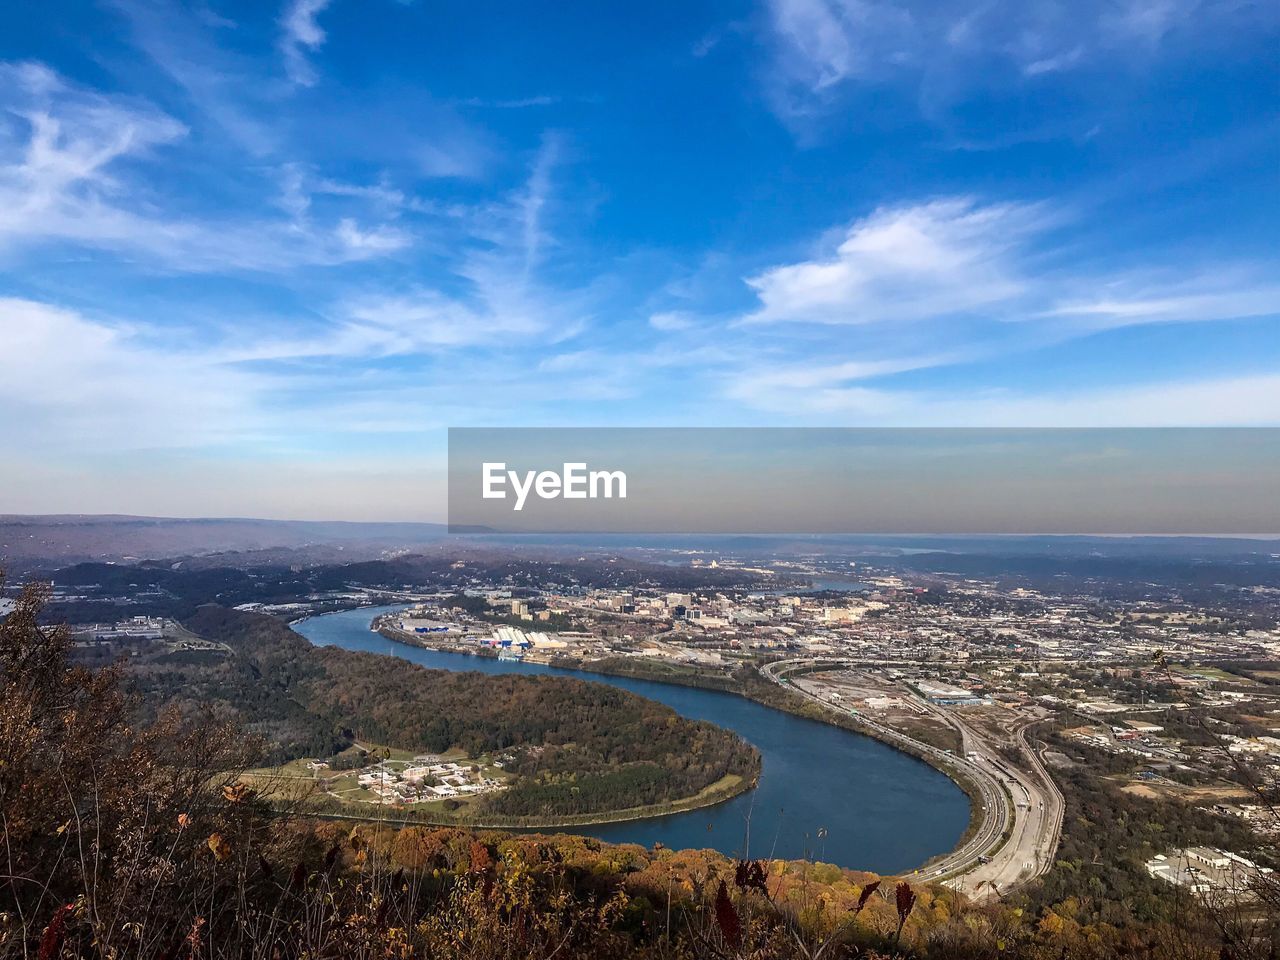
(1020,800)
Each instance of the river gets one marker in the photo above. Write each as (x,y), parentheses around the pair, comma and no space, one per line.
(824,793)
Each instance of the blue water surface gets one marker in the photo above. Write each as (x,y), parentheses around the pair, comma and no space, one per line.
(824,793)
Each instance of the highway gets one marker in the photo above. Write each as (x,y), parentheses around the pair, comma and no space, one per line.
(1024,803)
(1037,818)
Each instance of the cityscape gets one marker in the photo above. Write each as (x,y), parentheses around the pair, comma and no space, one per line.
(1021,687)
(717,480)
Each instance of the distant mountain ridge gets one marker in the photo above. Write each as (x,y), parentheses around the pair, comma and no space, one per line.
(69,538)
(36,542)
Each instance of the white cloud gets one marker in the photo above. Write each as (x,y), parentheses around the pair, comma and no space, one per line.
(415,322)
(1053,64)
(226,87)
(492,299)
(518,103)
(822,43)
(295,198)
(300,185)
(822,48)
(814,34)
(72,170)
(669,320)
(956,281)
(533,201)
(810,376)
(1224,401)
(458,156)
(361,243)
(1225,294)
(958,258)
(301,34)
(86,384)
(72,137)
(904,263)
(1149,20)
(502,308)
(425,320)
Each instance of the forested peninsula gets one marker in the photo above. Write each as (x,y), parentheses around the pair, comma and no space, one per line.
(573,751)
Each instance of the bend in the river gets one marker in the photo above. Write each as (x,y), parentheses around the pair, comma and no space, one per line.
(824,794)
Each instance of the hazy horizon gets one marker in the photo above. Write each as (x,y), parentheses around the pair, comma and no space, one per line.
(255,259)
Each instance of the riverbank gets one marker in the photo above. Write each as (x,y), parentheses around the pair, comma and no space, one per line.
(822,795)
(747,682)
(754,687)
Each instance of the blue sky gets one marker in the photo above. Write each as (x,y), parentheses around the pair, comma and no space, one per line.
(256,257)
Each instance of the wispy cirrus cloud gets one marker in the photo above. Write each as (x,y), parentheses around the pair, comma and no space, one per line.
(1053,63)
(300,186)
(820,44)
(1246,400)
(514,103)
(457,153)
(300,35)
(668,320)
(823,48)
(532,201)
(1174,297)
(495,313)
(821,376)
(72,171)
(228,89)
(414,322)
(490,296)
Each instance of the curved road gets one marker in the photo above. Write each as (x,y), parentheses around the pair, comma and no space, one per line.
(1028,807)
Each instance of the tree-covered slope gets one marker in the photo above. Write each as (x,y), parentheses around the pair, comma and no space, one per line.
(579,747)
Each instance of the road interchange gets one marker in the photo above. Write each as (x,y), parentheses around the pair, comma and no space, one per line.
(1020,810)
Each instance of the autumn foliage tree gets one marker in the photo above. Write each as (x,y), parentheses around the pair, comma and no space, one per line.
(103,820)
